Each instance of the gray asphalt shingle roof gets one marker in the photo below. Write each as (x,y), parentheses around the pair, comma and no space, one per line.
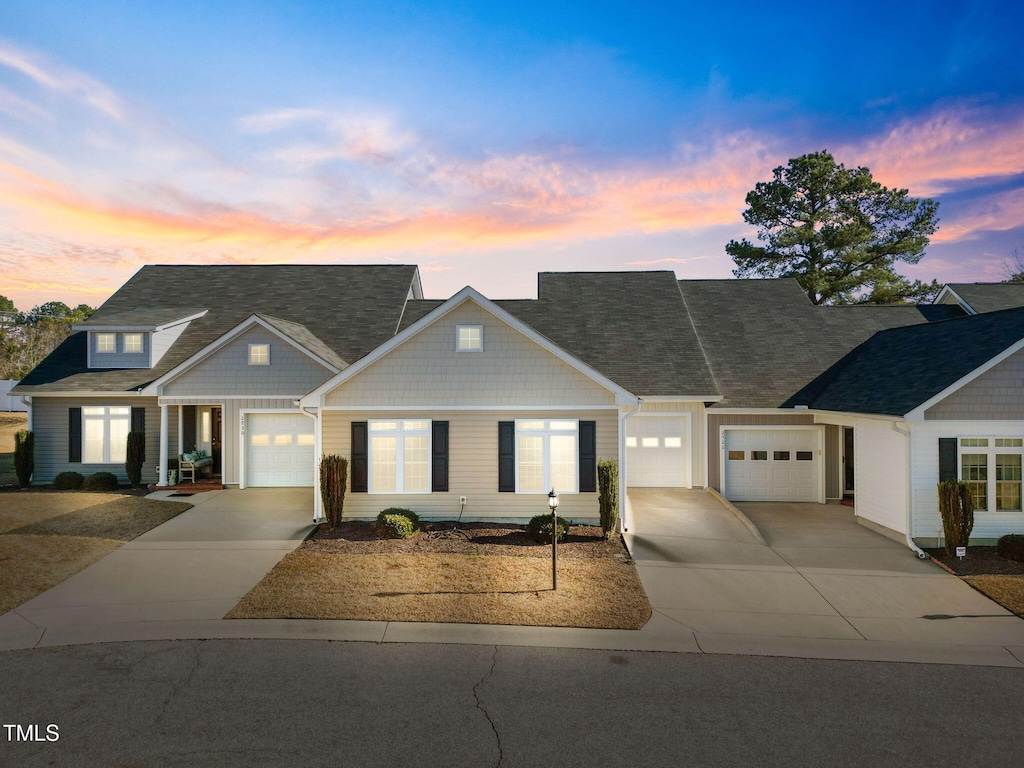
(149,317)
(990,297)
(351,309)
(899,369)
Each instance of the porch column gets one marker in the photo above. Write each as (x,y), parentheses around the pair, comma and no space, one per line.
(181,429)
(163,446)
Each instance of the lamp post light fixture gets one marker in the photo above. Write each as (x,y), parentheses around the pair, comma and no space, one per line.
(553,504)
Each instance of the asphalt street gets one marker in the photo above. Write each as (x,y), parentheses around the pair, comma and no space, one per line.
(312,703)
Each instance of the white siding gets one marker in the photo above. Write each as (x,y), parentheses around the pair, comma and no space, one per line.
(291,373)
(927,522)
(473,466)
(511,370)
(880,467)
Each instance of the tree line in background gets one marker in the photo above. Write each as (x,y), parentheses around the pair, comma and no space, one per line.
(27,337)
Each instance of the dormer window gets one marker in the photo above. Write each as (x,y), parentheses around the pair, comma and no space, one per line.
(469,338)
(106,342)
(133,342)
(259,354)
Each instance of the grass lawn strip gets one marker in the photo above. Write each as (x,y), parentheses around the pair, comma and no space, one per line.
(1008,591)
(47,537)
(9,424)
(30,565)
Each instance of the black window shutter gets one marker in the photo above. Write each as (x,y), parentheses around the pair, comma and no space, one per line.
(506,457)
(947,459)
(588,457)
(439,456)
(75,435)
(138,419)
(360,457)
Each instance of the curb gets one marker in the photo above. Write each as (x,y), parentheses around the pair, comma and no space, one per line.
(739,515)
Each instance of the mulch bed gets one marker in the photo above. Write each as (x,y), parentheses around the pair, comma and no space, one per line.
(980,561)
(584,542)
(123,490)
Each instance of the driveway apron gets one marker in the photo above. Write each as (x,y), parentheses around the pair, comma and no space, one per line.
(195,566)
(821,575)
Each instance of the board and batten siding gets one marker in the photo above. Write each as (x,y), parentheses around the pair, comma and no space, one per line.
(752,420)
(698,445)
(472,466)
(231,425)
(996,394)
(50,425)
(988,525)
(512,369)
(880,474)
(226,371)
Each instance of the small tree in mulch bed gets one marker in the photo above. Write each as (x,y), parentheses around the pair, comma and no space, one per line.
(608,493)
(956,505)
(24,456)
(333,476)
(136,457)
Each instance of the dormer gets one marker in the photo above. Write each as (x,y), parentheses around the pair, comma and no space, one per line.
(136,338)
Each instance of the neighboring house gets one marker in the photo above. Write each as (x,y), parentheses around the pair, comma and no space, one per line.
(740,385)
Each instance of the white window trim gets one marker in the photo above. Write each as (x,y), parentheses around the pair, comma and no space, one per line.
(106,351)
(458,329)
(142,344)
(106,418)
(399,433)
(547,433)
(990,452)
(259,344)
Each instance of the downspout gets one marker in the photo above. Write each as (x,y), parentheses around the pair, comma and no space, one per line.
(910,492)
(623,528)
(318,514)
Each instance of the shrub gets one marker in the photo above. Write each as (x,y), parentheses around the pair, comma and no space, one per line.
(136,457)
(397,523)
(539,528)
(100,481)
(957,509)
(1011,546)
(333,475)
(608,493)
(24,456)
(68,481)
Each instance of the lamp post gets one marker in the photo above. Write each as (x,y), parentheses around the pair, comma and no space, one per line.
(553,504)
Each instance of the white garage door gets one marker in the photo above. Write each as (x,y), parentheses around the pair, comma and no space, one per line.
(278,450)
(657,451)
(772,464)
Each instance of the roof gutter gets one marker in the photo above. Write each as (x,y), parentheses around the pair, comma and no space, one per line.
(910,493)
(318,511)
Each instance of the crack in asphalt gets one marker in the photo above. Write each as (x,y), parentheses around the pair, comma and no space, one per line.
(484,679)
(179,688)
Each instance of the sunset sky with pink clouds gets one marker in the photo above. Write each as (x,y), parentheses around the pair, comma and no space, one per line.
(483,141)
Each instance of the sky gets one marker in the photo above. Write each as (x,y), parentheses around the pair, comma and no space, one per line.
(484,141)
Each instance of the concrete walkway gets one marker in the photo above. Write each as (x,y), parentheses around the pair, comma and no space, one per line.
(822,587)
(194,567)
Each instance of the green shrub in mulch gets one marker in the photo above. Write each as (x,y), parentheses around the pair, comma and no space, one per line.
(397,523)
(1011,546)
(68,481)
(539,528)
(100,481)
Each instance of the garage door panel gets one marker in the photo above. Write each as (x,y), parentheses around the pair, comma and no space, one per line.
(279,450)
(777,474)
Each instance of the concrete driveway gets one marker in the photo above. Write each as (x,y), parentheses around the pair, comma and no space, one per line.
(818,575)
(195,566)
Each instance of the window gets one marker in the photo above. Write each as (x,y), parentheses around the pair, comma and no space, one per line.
(259,354)
(106,342)
(805,455)
(673,442)
(737,455)
(781,456)
(991,466)
(649,442)
(631,442)
(469,338)
(759,455)
(546,455)
(105,434)
(399,456)
(133,342)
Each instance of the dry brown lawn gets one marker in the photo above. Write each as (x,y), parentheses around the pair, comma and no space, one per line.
(1008,591)
(453,581)
(9,424)
(47,537)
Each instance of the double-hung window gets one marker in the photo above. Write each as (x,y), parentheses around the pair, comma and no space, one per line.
(399,457)
(991,467)
(547,452)
(105,434)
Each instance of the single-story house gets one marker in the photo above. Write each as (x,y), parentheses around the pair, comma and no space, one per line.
(478,406)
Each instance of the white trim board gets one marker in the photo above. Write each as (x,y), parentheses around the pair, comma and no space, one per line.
(316,397)
(947,291)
